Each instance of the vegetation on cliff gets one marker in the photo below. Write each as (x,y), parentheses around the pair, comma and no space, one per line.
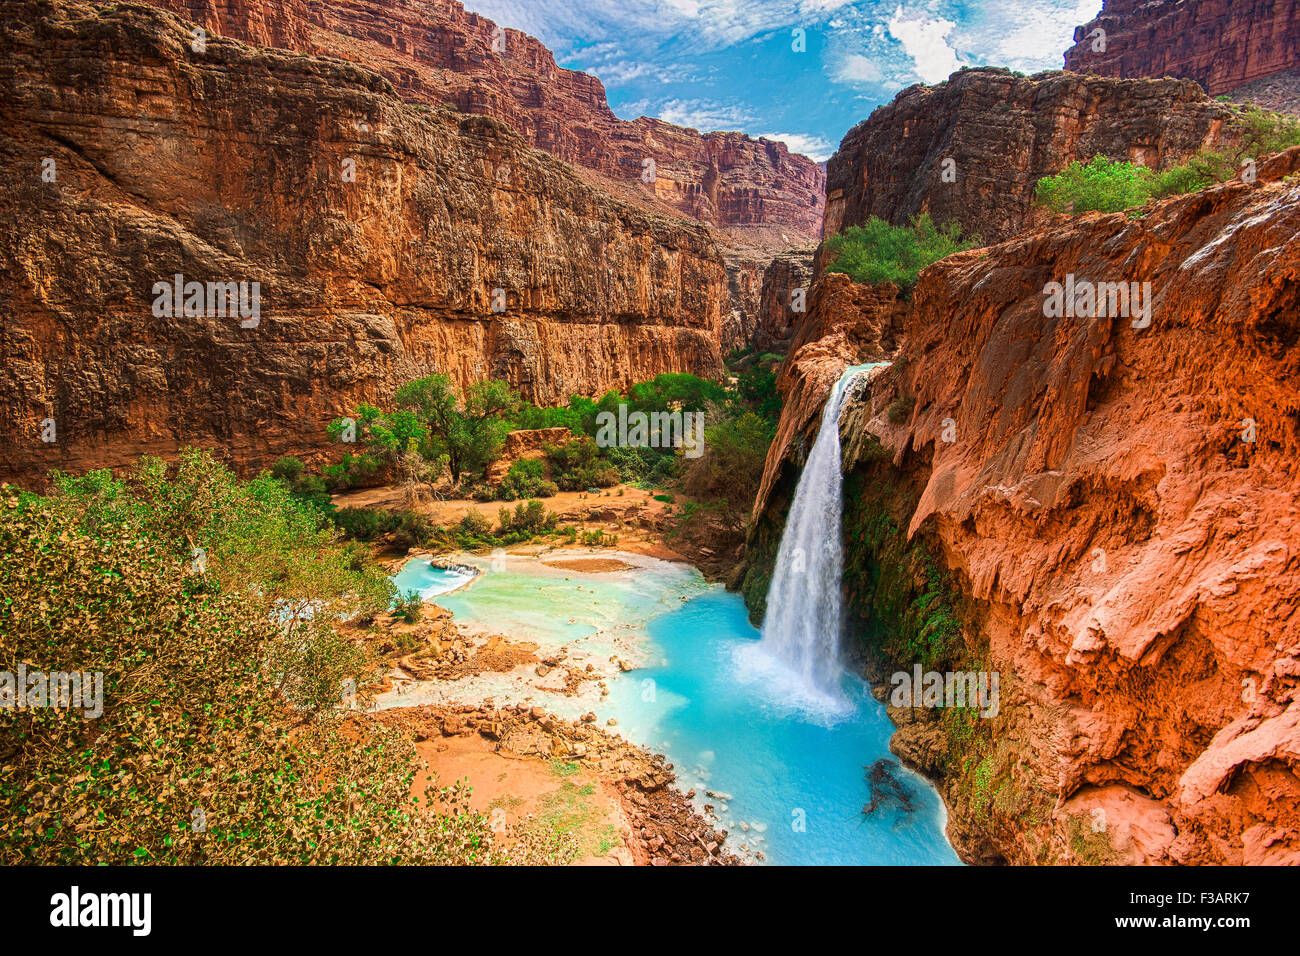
(1104,185)
(878,252)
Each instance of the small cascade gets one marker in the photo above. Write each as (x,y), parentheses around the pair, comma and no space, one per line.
(803,622)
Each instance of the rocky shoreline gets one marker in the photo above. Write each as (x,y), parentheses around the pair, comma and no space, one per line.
(664,828)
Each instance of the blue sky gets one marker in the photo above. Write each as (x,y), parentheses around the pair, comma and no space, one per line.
(731,64)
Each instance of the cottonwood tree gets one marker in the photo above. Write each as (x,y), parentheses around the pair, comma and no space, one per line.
(469,433)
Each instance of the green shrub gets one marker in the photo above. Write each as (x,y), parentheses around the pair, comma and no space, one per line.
(525,479)
(879,252)
(577,464)
(287,469)
(1099,185)
(221,701)
(531,518)
(900,408)
(475,525)
(408,607)
(363,524)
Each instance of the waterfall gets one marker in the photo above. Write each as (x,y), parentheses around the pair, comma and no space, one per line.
(803,623)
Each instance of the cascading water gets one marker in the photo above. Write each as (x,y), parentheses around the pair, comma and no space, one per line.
(802,626)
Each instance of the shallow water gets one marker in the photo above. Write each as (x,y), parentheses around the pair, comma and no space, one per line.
(729,717)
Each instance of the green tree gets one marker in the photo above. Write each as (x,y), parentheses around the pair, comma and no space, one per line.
(469,433)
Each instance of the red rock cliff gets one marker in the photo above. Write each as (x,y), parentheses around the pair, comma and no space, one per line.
(1003,132)
(435,52)
(378,231)
(1119,508)
(1221,44)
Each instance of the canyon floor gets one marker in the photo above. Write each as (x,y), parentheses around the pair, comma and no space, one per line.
(616,800)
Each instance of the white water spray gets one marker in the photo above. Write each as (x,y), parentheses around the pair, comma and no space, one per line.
(803,622)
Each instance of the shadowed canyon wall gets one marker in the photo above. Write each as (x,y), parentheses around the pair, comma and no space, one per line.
(378,231)
(1221,44)
(1105,515)
(1003,132)
(435,52)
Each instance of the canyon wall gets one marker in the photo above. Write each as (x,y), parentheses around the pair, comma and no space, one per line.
(1106,516)
(973,148)
(1221,44)
(437,53)
(379,232)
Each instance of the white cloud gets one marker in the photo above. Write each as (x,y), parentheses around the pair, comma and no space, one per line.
(816,148)
(1030,36)
(856,68)
(704,115)
(925,40)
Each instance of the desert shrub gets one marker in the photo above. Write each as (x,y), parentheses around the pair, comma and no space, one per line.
(879,252)
(475,525)
(351,471)
(362,524)
(287,468)
(531,519)
(578,464)
(900,408)
(408,607)
(731,467)
(524,480)
(222,701)
(1099,185)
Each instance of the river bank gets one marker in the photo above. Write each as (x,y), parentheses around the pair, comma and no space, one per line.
(597,641)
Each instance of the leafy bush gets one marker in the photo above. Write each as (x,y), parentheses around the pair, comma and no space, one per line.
(531,518)
(1099,185)
(900,408)
(475,525)
(1104,185)
(577,464)
(731,467)
(408,607)
(221,697)
(879,252)
(526,479)
(362,524)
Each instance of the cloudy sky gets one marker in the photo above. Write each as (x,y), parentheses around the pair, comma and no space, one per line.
(734,64)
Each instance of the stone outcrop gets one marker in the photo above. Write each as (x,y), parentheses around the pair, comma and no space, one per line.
(1221,44)
(847,324)
(1003,132)
(1117,507)
(437,53)
(783,299)
(379,233)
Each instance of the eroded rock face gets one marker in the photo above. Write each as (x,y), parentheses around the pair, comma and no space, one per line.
(1119,508)
(1003,132)
(437,53)
(847,324)
(378,232)
(1221,44)
(783,301)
